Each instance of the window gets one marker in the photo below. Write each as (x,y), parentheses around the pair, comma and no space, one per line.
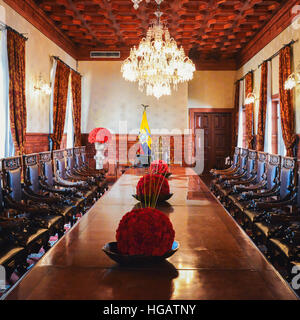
(268,127)
(241,116)
(278,146)
(281,145)
(69,127)
(6,143)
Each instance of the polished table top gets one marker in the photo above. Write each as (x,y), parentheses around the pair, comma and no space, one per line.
(216,259)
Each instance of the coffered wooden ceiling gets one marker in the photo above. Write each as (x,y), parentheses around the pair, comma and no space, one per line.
(214,30)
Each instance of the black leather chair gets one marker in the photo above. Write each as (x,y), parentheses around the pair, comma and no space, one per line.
(258,182)
(80,169)
(266,190)
(238,174)
(247,177)
(61,178)
(14,199)
(85,167)
(48,183)
(285,196)
(95,182)
(35,192)
(282,227)
(232,168)
(12,253)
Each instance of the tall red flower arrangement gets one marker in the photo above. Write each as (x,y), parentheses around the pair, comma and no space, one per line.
(152,185)
(145,231)
(159,167)
(100,135)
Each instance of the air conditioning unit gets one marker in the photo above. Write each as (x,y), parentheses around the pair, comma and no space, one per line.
(105,54)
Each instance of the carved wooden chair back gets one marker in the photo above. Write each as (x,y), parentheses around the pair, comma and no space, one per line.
(83,155)
(262,159)
(60,163)
(46,167)
(243,160)
(251,161)
(70,159)
(273,170)
(32,172)
(12,171)
(77,157)
(287,176)
(236,156)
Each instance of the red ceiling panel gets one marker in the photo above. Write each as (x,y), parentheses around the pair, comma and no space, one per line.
(218,28)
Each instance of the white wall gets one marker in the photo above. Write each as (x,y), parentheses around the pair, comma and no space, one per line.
(108,98)
(38,51)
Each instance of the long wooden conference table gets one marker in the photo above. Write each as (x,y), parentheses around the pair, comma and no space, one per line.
(216,259)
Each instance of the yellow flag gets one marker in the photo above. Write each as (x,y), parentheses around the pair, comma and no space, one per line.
(145,135)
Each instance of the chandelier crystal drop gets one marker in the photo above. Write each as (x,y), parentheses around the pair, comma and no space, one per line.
(158,65)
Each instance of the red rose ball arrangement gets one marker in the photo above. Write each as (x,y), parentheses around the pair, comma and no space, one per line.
(152,186)
(100,135)
(145,231)
(159,167)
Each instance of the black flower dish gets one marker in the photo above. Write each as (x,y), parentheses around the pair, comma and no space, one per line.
(111,250)
(161,198)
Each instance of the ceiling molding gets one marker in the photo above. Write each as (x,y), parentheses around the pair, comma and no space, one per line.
(280,21)
(34,15)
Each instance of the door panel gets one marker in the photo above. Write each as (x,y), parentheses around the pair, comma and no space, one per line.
(217,137)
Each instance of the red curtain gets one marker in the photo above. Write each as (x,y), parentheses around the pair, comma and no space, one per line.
(261,125)
(60,96)
(249,111)
(76,94)
(236,116)
(17,100)
(286,102)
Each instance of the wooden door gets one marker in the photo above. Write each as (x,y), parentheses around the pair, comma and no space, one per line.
(217,137)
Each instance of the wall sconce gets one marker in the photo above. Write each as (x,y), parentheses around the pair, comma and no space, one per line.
(42,86)
(293,80)
(251,97)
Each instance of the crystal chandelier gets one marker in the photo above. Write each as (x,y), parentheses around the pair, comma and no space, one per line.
(137,2)
(157,64)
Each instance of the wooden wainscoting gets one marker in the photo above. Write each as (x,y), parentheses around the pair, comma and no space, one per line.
(39,142)
(125,147)
(36,142)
